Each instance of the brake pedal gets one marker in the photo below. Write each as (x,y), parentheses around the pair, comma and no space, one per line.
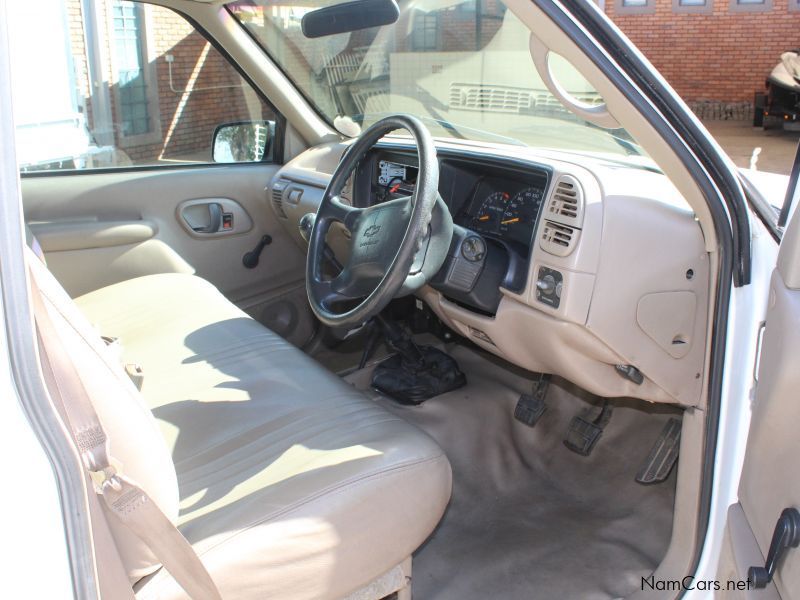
(531,407)
(584,433)
(663,456)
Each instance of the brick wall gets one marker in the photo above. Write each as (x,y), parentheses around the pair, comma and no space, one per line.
(205,90)
(722,56)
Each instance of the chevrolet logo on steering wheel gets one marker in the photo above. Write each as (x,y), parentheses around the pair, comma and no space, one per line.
(371,230)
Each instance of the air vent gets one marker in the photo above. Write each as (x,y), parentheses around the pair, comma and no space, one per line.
(558,239)
(278,188)
(566,202)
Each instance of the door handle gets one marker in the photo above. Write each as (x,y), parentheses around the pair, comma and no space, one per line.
(210,218)
(215,219)
(785,536)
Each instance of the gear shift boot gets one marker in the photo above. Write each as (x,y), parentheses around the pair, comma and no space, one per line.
(415,373)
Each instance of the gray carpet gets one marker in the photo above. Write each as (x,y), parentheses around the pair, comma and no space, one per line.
(528,518)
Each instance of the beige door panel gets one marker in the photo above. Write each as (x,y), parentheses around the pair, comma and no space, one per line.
(98,229)
(740,551)
(769,483)
(60,236)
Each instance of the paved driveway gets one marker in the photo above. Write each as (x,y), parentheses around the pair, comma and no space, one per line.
(740,139)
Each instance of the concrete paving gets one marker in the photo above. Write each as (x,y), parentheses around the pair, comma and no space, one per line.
(739,139)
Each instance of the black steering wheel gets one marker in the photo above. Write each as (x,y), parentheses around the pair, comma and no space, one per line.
(396,246)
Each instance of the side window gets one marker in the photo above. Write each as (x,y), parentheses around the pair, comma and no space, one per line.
(112,83)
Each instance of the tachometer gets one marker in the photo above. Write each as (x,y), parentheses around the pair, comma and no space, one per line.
(490,213)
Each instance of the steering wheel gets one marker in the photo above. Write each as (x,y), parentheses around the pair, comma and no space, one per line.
(396,246)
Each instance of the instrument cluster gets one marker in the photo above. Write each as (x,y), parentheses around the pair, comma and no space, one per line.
(503,209)
(494,202)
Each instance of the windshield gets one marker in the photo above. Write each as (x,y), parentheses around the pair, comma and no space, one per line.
(462,67)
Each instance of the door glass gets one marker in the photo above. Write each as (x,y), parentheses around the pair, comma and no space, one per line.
(111,83)
(128,31)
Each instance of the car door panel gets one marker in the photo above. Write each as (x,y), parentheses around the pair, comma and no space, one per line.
(101,228)
(769,481)
(60,236)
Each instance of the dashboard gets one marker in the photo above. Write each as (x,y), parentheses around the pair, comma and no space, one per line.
(563,264)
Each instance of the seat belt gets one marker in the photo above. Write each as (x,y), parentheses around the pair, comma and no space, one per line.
(129,503)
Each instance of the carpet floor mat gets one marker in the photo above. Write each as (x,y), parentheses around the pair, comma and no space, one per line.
(528,517)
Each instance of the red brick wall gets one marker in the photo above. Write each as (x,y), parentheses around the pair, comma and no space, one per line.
(188,118)
(185,119)
(722,56)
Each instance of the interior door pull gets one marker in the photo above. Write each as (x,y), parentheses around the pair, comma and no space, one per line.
(215,219)
(785,536)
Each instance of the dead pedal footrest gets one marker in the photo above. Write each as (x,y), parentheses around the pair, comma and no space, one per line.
(663,456)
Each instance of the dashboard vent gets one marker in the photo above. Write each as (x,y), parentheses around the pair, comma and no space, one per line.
(558,239)
(277,197)
(566,201)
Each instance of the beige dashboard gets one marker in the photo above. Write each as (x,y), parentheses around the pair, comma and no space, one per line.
(617,283)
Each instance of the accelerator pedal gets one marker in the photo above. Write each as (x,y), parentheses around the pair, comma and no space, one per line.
(530,407)
(663,456)
(583,433)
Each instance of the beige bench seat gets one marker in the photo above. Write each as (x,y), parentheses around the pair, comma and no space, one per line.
(292,484)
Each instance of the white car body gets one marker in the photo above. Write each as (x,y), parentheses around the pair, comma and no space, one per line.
(36,559)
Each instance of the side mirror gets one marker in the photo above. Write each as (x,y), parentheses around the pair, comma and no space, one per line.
(246,141)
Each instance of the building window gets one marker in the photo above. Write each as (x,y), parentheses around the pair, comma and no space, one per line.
(752,5)
(129,57)
(692,6)
(425,35)
(634,7)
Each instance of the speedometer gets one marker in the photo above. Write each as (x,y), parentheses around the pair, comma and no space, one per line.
(519,215)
